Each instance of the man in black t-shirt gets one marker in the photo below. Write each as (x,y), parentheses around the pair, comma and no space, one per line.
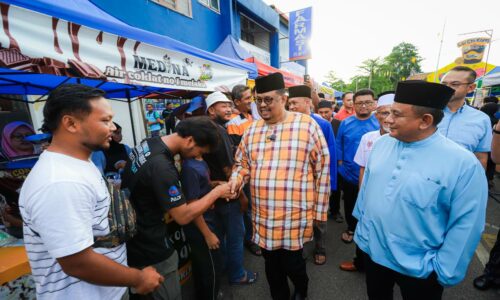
(155,189)
(169,119)
(229,218)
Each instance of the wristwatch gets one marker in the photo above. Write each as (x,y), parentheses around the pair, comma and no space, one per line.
(496,131)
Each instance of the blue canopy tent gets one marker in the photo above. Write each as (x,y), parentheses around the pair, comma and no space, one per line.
(232,49)
(85,13)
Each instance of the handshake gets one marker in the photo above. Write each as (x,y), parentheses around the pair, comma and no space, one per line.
(229,190)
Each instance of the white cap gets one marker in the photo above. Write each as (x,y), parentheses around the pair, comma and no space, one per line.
(216,97)
(387,99)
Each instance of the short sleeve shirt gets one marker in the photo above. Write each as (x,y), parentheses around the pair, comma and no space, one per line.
(155,187)
(64,203)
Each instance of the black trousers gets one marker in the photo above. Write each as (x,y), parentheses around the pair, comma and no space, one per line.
(350,195)
(335,202)
(492,269)
(380,283)
(281,264)
(206,264)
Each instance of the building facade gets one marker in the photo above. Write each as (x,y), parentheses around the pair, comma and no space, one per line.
(205,24)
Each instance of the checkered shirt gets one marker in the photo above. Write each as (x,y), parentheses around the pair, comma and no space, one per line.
(288,165)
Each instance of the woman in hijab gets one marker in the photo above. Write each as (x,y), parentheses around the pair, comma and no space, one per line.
(13,142)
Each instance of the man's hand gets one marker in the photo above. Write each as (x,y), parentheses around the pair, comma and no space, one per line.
(236,186)
(212,241)
(149,281)
(225,191)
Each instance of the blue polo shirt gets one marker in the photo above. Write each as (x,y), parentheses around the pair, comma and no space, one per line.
(327,129)
(348,137)
(468,127)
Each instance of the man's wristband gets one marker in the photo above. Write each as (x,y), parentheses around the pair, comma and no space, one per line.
(495,131)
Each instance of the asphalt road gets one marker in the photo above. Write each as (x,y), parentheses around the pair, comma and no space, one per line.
(329,282)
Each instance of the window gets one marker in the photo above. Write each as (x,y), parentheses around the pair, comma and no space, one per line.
(254,33)
(212,4)
(180,6)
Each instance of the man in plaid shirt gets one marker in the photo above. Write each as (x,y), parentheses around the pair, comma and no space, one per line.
(286,158)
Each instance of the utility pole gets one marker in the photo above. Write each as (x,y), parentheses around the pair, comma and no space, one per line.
(436,79)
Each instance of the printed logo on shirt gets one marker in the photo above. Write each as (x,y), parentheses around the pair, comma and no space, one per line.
(174,193)
(369,144)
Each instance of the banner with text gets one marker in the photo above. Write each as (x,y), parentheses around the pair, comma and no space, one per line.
(300,29)
(39,43)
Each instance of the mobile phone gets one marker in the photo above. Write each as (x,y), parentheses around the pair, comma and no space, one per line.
(307,77)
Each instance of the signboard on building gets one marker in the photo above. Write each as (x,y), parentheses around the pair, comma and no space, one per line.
(300,29)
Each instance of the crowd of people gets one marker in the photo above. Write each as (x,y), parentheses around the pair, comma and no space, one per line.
(261,169)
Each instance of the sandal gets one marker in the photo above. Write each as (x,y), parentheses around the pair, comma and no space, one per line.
(250,277)
(347,236)
(319,259)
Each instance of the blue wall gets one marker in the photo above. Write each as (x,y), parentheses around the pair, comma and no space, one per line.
(205,29)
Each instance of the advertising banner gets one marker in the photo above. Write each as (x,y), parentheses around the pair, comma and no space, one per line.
(300,29)
(39,43)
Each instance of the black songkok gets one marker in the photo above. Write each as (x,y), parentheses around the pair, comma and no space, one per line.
(271,82)
(423,93)
(299,91)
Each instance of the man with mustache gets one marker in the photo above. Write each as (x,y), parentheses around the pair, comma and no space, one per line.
(349,135)
(287,161)
(229,218)
(422,204)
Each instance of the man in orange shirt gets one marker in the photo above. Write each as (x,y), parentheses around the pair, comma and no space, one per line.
(242,97)
(347,109)
(286,157)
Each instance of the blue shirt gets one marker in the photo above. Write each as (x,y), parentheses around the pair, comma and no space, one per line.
(195,180)
(468,127)
(327,129)
(99,160)
(151,117)
(348,137)
(421,207)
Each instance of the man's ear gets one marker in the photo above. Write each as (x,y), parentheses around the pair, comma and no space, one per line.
(471,88)
(70,123)
(426,121)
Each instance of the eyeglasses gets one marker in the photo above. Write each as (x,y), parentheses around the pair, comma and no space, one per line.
(456,84)
(266,100)
(367,103)
(20,136)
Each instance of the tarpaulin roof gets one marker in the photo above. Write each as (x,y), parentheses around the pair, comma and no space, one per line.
(85,13)
(232,49)
(492,78)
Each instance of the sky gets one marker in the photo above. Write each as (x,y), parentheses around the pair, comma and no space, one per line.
(345,33)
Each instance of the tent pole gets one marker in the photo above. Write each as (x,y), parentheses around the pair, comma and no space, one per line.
(127,92)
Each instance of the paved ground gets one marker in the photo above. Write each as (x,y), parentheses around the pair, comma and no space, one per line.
(329,282)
